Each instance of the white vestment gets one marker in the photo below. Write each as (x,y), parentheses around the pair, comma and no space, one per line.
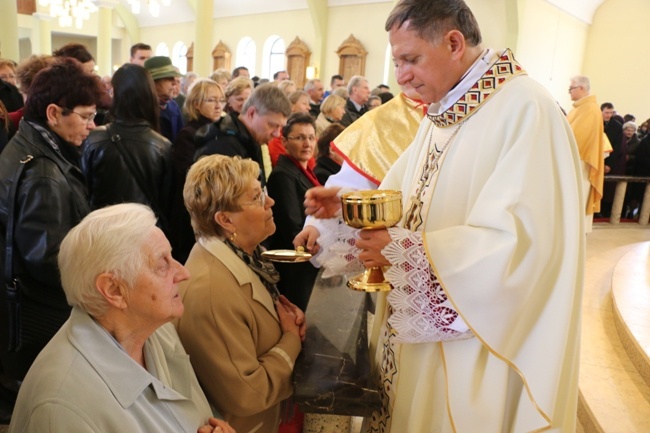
(502,227)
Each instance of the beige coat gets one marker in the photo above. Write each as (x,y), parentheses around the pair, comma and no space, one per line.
(231,331)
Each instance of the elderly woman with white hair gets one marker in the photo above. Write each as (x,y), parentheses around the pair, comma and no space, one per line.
(117,365)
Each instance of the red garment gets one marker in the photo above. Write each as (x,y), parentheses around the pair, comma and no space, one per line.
(276,148)
(309,172)
(15,116)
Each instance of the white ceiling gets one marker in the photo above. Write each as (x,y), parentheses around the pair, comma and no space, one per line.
(182,11)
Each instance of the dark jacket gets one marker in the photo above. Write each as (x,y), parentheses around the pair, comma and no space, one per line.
(10,96)
(351,113)
(325,167)
(287,186)
(111,181)
(50,200)
(183,150)
(171,120)
(231,138)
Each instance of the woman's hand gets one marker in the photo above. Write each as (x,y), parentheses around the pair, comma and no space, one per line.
(300,316)
(371,244)
(307,238)
(216,426)
(322,202)
(287,318)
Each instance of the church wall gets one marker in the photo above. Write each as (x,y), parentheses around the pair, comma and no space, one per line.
(551,45)
(617,60)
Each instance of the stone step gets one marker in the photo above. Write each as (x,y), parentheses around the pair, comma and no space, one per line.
(614,397)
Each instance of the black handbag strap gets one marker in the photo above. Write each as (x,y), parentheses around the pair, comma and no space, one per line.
(137,175)
(11,286)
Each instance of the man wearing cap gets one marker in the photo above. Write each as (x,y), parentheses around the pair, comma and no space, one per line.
(164,76)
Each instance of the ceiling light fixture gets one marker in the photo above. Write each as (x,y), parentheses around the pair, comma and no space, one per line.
(152,5)
(68,10)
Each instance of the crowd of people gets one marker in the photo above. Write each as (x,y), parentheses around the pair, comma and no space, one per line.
(136,208)
(209,156)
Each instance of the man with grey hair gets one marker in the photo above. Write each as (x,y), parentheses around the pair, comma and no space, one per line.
(315,90)
(355,106)
(262,118)
(587,125)
(481,330)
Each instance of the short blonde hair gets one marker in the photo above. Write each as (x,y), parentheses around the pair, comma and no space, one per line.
(330,103)
(221,74)
(214,183)
(197,96)
(110,239)
(236,86)
(287,86)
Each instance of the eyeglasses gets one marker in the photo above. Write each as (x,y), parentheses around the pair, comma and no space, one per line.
(259,199)
(88,118)
(574,87)
(214,101)
(303,138)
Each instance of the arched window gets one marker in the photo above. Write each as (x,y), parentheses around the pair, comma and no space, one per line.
(162,49)
(246,52)
(178,57)
(388,64)
(274,59)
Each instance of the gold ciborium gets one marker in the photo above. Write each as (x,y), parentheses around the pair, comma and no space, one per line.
(371,210)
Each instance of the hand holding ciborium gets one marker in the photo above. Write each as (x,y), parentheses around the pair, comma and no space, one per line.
(371,210)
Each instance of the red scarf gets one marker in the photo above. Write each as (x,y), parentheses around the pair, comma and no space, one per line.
(306,171)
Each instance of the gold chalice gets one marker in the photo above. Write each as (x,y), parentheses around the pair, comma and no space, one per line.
(370,210)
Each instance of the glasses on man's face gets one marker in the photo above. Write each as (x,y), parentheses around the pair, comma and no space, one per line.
(259,199)
(574,87)
(302,138)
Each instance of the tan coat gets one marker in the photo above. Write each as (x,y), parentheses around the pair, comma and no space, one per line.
(231,331)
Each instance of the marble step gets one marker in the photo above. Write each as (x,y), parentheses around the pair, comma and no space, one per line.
(614,397)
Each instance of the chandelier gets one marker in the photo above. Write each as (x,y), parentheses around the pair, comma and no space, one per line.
(68,10)
(152,5)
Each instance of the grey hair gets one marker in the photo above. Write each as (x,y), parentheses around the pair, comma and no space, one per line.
(632,125)
(268,98)
(311,84)
(355,81)
(432,19)
(110,240)
(582,81)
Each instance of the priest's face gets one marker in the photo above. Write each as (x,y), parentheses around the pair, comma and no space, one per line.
(427,67)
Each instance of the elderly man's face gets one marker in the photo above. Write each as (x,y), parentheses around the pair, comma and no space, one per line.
(154,299)
(316,94)
(165,88)
(361,93)
(426,67)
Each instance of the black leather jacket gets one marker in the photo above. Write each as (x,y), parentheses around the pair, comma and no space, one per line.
(50,200)
(109,178)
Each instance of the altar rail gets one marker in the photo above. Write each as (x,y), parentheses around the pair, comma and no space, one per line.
(619,198)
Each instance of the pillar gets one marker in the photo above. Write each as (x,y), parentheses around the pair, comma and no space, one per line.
(9,34)
(104,58)
(203,37)
(43,44)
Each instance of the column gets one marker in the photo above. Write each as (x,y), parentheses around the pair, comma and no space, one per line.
(104,58)
(44,43)
(203,37)
(9,34)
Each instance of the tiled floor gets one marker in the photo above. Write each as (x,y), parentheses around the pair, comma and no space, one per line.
(605,246)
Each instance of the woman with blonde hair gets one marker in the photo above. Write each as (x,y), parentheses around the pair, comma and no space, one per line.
(243,338)
(332,110)
(237,93)
(221,76)
(204,105)
(287,86)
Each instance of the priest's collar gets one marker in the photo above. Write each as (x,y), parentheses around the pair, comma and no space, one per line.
(481,80)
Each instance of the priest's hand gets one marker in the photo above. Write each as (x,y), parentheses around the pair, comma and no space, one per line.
(307,238)
(371,244)
(322,202)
